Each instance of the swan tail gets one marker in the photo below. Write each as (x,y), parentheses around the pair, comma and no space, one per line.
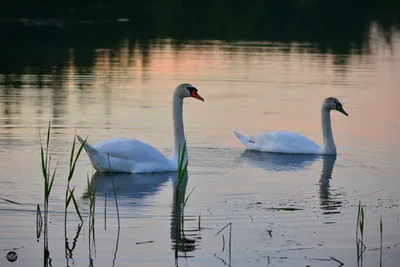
(242,138)
(90,150)
(103,162)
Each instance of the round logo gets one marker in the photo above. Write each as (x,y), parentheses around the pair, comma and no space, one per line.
(12,256)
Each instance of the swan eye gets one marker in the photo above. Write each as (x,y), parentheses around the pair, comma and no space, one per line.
(191,89)
(337,104)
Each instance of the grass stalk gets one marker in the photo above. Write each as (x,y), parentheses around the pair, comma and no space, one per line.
(48,177)
(69,194)
(360,227)
(199,221)
(92,205)
(381,231)
(119,225)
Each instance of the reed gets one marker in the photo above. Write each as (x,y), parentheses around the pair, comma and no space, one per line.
(69,194)
(360,228)
(381,231)
(182,182)
(92,205)
(48,177)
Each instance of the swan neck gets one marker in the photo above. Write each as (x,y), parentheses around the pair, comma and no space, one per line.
(179,133)
(329,143)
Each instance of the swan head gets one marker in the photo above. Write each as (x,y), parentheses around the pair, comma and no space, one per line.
(187,90)
(332,103)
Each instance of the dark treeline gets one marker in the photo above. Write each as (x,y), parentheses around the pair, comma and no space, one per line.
(41,33)
(40,37)
(184,9)
(270,20)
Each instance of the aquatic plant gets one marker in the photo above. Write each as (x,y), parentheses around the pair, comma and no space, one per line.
(182,181)
(381,231)
(69,194)
(119,224)
(92,206)
(45,157)
(48,176)
(360,227)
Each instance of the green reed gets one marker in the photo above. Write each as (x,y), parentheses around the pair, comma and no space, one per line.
(69,194)
(48,177)
(45,156)
(360,228)
(92,205)
(381,231)
(182,179)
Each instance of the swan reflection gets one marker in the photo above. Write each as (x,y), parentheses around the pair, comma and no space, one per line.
(278,161)
(296,162)
(328,202)
(131,189)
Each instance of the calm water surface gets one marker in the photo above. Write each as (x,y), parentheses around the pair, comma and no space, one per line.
(250,87)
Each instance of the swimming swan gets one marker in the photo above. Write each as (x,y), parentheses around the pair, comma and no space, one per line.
(134,156)
(289,142)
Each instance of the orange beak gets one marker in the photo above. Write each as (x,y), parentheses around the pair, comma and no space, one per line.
(196,95)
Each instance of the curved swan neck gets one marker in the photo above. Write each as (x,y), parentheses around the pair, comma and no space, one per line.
(329,143)
(179,133)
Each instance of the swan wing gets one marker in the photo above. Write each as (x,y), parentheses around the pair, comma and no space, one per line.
(281,142)
(130,149)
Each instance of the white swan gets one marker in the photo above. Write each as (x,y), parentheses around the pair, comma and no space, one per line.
(289,142)
(134,156)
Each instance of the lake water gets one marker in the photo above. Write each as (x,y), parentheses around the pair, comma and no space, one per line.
(104,90)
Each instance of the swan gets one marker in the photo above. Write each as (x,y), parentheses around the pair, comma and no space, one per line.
(290,142)
(134,156)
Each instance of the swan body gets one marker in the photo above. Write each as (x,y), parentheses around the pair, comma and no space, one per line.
(280,142)
(134,156)
(291,142)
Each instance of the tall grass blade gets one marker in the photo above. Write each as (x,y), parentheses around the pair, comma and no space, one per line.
(71,194)
(48,136)
(381,230)
(358,219)
(187,198)
(52,177)
(362,222)
(76,207)
(73,162)
(199,221)
(71,157)
(44,164)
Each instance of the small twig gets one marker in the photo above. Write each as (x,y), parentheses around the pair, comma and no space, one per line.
(144,242)
(105,211)
(13,202)
(341,263)
(223,243)
(223,228)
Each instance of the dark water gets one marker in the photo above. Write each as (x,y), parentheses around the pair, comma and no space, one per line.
(261,66)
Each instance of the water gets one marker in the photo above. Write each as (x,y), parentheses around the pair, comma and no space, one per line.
(122,86)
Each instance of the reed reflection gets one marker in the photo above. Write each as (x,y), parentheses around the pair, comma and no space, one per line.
(183,240)
(132,188)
